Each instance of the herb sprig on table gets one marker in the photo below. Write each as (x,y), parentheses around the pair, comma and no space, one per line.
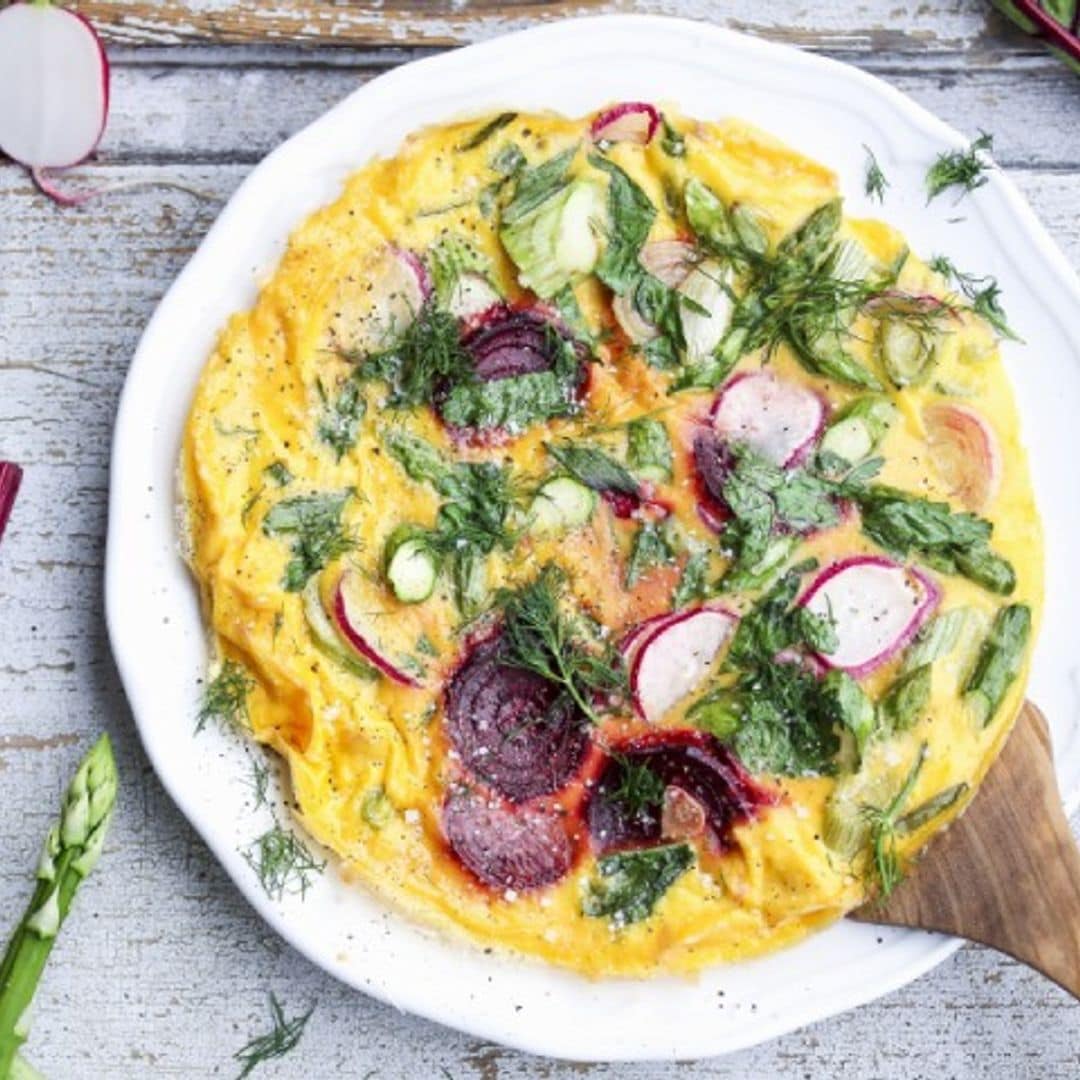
(965,169)
(283,1037)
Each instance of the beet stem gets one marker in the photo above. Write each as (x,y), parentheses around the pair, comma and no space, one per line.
(10,479)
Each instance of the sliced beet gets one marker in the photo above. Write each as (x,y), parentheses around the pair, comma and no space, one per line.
(694,762)
(506,847)
(512,728)
(712,464)
(508,342)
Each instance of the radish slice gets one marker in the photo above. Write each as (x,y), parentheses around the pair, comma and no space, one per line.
(375,307)
(630,121)
(636,634)
(10,479)
(707,312)
(876,607)
(965,453)
(472,296)
(675,657)
(56,86)
(669,261)
(781,421)
(355,625)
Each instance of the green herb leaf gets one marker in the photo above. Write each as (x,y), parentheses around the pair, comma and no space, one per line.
(340,419)
(649,451)
(483,133)
(282,863)
(884,861)
(672,141)
(593,468)
(965,169)
(693,582)
(278,471)
(982,293)
(225,698)
(536,185)
(650,549)
(639,788)
(280,1040)
(875,182)
(850,707)
(313,522)
(630,884)
(630,217)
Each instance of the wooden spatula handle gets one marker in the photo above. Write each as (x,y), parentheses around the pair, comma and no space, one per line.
(1007,872)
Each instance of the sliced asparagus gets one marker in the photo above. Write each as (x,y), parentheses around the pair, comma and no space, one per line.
(71,850)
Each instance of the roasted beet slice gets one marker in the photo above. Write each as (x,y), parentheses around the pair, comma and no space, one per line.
(625,808)
(509,342)
(512,728)
(506,847)
(712,464)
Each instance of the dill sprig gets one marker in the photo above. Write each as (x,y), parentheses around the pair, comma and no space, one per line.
(282,862)
(965,169)
(981,291)
(225,698)
(874,181)
(427,358)
(883,822)
(313,522)
(276,1043)
(539,635)
(639,788)
(259,782)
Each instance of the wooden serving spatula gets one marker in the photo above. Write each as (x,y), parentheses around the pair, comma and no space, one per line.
(1006,873)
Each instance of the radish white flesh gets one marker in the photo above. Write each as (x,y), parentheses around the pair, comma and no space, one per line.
(876,607)
(965,453)
(779,420)
(676,657)
(392,290)
(637,634)
(472,295)
(356,629)
(706,311)
(668,261)
(55,81)
(630,121)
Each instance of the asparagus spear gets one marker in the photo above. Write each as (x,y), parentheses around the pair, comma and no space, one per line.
(71,850)
(999,662)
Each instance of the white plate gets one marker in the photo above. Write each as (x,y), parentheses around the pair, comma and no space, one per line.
(820,107)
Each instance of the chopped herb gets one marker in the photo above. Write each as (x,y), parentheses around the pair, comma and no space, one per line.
(376,808)
(278,471)
(427,357)
(630,884)
(537,184)
(639,788)
(965,169)
(281,1039)
(225,698)
(874,182)
(341,418)
(425,645)
(282,863)
(649,451)
(693,583)
(982,292)
(650,549)
(541,636)
(884,861)
(448,259)
(566,303)
(508,160)
(259,784)
(630,217)
(314,524)
(850,708)
(482,134)
(592,467)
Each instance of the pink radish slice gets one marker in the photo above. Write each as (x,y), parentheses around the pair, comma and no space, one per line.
(779,420)
(675,657)
(629,121)
(667,260)
(876,607)
(56,86)
(965,453)
(636,634)
(391,291)
(10,479)
(353,627)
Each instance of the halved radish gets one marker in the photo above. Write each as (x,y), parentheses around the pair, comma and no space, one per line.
(629,121)
(472,295)
(669,261)
(676,657)
(381,301)
(777,419)
(355,619)
(876,606)
(965,453)
(706,309)
(636,634)
(56,86)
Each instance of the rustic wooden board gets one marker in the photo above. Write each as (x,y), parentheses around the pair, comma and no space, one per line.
(861,26)
(162,970)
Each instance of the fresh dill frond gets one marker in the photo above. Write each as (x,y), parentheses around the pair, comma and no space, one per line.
(639,788)
(427,358)
(981,291)
(259,783)
(340,419)
(282,863)
(965,169)
(313,522)
(874,181)
(276,1043)
(225,698)
(541,636)
(883,822)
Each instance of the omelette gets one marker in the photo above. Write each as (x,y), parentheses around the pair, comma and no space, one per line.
(632,559)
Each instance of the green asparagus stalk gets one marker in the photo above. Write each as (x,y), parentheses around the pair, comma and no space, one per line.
(71,850)
(999,662)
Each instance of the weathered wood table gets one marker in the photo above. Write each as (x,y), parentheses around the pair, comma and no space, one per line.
(163,970)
